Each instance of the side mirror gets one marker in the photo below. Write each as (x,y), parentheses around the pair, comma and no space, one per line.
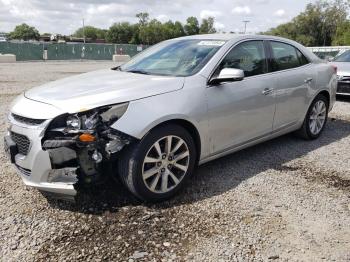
(228,75)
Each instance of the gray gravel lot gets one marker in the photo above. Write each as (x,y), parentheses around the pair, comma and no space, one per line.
(284,200)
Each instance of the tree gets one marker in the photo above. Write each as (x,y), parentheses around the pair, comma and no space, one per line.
(172,30)
(342,35)
(121,33)
(317,25)
(207,26)
(149,31)
(143,18)
(152,32)
(135,38)
(90,32)
(179,29)
(192,26)
(25,32)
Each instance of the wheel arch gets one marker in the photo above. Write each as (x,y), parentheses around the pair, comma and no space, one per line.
(190,128)
(323,92)
(326,94)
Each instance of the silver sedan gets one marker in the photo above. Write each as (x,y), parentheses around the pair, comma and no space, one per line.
(178,104)
(342,62)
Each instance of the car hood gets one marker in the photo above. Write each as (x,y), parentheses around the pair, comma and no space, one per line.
(343,68)
(104,87)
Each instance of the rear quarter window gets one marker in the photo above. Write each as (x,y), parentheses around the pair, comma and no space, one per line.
(285,56)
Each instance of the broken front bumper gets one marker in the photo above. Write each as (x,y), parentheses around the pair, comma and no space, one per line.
(51,157)
(33,164)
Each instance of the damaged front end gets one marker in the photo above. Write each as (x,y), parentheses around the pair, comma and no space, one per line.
(82,146)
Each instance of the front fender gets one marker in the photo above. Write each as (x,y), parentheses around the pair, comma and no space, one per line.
(145,114)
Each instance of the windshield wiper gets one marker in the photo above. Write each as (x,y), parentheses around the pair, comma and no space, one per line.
(139,72)
(117,68)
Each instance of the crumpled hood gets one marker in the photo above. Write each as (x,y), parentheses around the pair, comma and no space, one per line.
(103,87)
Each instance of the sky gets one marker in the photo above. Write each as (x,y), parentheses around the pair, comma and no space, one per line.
(65,16)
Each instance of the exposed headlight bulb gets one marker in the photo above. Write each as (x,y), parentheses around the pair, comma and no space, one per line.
(97,156)
(73,122)
(91,121)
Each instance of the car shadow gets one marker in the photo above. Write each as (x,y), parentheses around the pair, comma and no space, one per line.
(213,178)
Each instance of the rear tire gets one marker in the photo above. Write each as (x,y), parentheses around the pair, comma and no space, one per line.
(154,171)
(316,119)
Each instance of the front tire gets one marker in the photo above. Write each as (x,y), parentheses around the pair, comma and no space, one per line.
(157,167)
(316,119)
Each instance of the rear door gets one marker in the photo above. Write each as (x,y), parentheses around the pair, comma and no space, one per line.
(293,76)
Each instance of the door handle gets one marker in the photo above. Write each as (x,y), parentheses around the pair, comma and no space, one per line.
(308,80)
(267,91)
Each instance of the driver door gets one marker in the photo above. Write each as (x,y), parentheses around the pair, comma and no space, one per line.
(241,111)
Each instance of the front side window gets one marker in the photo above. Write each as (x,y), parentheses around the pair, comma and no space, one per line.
(286,56)
(174,57)
(302,58)
(248,56)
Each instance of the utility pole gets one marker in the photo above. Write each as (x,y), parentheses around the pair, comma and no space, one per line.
(84,30)
(245,25)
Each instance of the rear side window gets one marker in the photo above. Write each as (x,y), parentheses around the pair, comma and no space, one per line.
(286,56)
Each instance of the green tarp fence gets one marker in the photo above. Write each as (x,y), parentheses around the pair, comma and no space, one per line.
(23,51)
(64,51)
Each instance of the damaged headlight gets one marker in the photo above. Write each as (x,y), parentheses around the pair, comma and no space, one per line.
(89,134)
(73,122)
(89,119)
(114,112)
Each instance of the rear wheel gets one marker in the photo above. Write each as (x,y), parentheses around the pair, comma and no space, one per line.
(316,118)
(156,168)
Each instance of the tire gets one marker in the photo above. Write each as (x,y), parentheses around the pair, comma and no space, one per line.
(307,131)
(153,180)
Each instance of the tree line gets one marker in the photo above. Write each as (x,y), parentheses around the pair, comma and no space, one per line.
(323,23)
(145,31)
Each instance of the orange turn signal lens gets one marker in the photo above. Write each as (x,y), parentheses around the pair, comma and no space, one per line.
(87,138)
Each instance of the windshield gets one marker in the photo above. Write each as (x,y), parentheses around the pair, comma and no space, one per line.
(345,57)
(174,58)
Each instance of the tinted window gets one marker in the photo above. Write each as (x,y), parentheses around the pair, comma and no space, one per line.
(248,56)
(302,59)
(286,57)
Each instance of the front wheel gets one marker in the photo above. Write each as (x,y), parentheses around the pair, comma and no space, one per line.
(316,118)
(156,168)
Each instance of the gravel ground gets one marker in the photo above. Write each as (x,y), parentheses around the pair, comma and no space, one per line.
(284,200)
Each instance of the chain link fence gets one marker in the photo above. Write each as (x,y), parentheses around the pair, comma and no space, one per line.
(25,51)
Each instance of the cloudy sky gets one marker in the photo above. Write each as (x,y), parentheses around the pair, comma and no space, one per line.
(64,16)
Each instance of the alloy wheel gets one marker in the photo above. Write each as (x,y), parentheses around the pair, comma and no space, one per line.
(318,117)
(165,164)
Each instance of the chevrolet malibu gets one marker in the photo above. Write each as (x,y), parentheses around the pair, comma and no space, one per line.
(178,104)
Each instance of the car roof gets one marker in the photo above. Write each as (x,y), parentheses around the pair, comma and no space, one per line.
(239,37)
(230,36)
